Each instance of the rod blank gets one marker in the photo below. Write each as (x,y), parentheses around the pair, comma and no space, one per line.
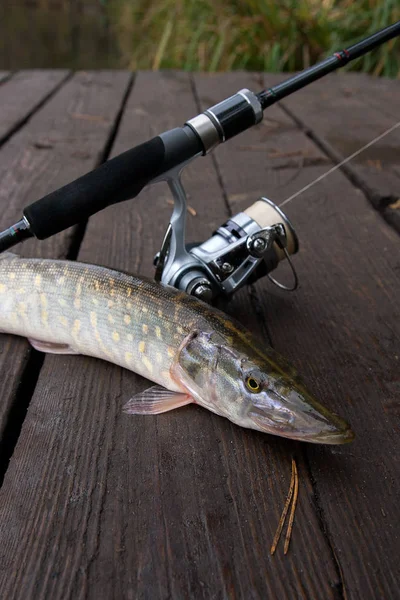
(338,59)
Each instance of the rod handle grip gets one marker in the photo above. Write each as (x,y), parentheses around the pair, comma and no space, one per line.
(116,180)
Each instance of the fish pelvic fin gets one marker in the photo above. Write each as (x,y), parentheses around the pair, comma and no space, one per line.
(156,400)
(51,347)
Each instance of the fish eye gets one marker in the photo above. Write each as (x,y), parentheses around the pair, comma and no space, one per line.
(252,384)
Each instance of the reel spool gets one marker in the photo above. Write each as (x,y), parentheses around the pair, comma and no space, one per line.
(248,246)
(245,248)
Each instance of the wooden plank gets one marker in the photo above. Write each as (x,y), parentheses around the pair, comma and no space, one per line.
(345,112)
(356,328)
(183,505)
(383,95)
(341,329)
(63,140)
(380,92)
(24,93)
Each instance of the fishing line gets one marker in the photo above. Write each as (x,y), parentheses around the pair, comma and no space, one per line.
(343,162)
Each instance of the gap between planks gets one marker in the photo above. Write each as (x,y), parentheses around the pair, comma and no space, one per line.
(255,302)
(245,444)
(20,123)
(80,229)
(35,360)
(380,202)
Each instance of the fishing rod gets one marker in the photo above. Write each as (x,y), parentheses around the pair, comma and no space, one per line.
(246,247)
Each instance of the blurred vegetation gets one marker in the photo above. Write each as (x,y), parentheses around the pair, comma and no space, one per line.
(258,35)
(207,35)
(49,34)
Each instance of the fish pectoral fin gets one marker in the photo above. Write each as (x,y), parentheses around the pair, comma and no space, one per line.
(51,347)
(156,400)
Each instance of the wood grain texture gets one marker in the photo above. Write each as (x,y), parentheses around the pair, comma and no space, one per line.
(22,94)
(380,92)
(62,141)
(344,113)
(181,505)
(341,329)
(184,505)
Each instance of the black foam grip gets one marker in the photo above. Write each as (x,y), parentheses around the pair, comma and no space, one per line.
(118,179)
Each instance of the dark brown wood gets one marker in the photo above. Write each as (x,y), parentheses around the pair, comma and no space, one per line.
(182,505)
(22,94)
(63,140)
(341,330)
(380,92)
(343,114)
(96,503)
(347,316)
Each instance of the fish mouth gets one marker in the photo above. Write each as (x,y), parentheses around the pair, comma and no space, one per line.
(298,416)
(333,438)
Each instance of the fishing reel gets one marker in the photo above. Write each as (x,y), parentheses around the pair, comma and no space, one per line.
(245,248)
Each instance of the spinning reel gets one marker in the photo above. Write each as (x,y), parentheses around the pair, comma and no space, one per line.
(245,248)
(248,246)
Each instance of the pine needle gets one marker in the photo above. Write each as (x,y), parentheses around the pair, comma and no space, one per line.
(291,518)
(284,512)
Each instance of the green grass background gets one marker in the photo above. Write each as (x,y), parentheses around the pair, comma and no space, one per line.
(270,35)
(205,35)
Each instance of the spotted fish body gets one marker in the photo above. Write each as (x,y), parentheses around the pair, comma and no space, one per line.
(196,353)
(91,310)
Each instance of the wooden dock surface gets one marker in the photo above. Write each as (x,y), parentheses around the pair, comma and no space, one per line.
(98,504)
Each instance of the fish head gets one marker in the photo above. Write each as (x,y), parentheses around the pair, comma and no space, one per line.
(255,388)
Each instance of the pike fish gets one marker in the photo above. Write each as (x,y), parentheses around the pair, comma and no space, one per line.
(193,352)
